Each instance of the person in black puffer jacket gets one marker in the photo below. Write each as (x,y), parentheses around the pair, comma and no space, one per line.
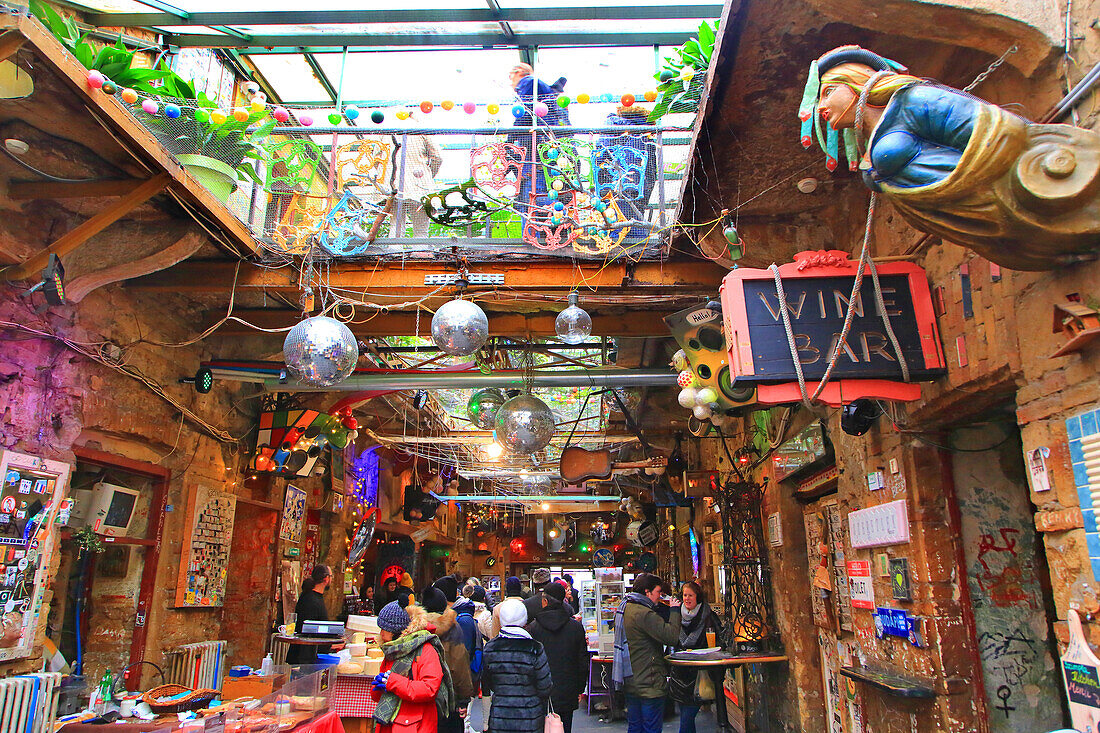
(514,668)
(566,650)
(696,619)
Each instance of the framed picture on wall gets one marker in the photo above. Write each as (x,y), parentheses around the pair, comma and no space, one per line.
(32,493)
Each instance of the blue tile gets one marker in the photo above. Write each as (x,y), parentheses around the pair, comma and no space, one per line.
(1090,519)
(1076,455)
(1088,423)
(1093,540)
(1096,569)
(1080,476)
(1073,427)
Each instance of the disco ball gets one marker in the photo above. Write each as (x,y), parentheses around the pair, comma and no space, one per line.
(320,351)
(573,325)
(482,407)
(524,424)
(460,328)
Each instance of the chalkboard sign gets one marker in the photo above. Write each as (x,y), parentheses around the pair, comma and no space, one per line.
(1082,683)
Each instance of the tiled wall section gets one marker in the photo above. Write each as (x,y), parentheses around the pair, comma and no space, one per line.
(1084,451)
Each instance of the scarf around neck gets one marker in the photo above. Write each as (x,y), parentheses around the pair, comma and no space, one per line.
(621,670)
(693,625)
(402,651)
(514,632)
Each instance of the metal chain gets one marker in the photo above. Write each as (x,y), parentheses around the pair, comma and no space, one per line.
(982,76)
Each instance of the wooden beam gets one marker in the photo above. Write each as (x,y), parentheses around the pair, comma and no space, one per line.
(180,250)
(90,227)
(137,140)
(646,322)
(30,190)
(407,280)
(10,43)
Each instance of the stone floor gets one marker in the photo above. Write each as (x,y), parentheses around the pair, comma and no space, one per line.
(584,723)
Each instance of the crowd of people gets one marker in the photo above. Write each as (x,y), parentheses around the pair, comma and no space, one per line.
(527,655)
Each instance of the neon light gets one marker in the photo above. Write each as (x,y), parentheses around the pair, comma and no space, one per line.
(694,551)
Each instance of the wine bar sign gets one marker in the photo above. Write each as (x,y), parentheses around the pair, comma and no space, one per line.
(817,296)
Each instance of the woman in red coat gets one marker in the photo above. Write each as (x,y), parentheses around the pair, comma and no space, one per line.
(414,688)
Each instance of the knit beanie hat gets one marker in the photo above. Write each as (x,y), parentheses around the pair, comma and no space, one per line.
(478,594)
(406,580)
(513,613)
(512,586)
(449,586)
(404,595)
(393,618)
(433,600)
(555,591)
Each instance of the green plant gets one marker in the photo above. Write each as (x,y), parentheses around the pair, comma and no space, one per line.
(88,541)
(680,82)
(115,62)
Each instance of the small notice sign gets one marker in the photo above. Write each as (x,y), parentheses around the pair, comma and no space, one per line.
(1082,683)
(861,590)
(1079,671)
(885,524)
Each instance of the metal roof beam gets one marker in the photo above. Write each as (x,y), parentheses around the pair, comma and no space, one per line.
(322,78)
(703,11)
(324,43)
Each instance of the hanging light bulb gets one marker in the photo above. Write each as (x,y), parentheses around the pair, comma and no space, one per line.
(493,450)
(573,325)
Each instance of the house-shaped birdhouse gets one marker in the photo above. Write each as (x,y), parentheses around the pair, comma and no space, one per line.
(1077,323)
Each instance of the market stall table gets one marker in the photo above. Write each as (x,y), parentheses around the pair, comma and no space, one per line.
(281,643)
(352,701)
(715,664)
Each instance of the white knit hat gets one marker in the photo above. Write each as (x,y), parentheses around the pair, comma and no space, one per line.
(513,613)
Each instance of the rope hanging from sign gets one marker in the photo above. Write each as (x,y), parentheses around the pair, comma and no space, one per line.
(865,261)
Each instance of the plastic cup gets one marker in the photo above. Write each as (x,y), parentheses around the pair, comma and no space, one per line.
(712,639)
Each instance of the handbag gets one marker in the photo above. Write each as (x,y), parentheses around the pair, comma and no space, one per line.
(553,722)
(704,687)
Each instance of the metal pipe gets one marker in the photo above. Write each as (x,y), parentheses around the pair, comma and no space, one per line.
(326,129)
(549,499)
(400,380)
(1074,96)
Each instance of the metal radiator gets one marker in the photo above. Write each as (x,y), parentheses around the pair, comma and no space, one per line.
(28,703)
(196,665)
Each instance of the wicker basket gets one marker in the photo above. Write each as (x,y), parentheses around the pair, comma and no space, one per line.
(194,698)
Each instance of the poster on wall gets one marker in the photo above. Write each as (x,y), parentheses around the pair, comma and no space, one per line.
(204,564)
(294,510)
(861,589)
(31,494)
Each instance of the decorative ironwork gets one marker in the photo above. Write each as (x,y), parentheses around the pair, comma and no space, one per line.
(620,168)
(365,163)
(293,163)
(460,206)
(564,158)
(346,226)
(748,599)
(496,169)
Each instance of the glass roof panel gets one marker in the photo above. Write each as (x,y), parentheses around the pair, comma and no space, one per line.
(291,77)
(199,6)
(590,3)
(396,29)
(115,6)
(191,29)
(651,25)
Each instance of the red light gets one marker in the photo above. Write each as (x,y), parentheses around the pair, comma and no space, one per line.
(618,548)
(516,545)
(743,460)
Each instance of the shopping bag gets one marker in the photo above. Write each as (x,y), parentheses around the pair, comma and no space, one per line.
(704,687)
(553,722)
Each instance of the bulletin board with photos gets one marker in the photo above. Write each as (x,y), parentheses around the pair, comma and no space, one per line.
(32,495)
(204,565)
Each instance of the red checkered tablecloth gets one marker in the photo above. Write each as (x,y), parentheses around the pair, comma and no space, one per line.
(351,696)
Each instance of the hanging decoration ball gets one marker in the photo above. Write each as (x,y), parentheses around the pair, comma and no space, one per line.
(559,206)
(666,75)
(426,106)
(583,98)
(524,424)
(334,118)
(680,361)
(686,378)
(305,120)
(320,351)
(172,111)
(555,220)
(259,97)
(540,109)
(483,406)
(601,206)
(350,423)
(460,327)
(150,107)
(217,116)
(202,116)
(650,96)
(402,115)
(706,396)
(573,325)
(281,114)
(492,108)
(686,398)
(351,112)
(558,184)
(469,107)
(701,411)
(553,154)
(109,87)
(627,100)
(240,114)
(96,79)
(447,105)
(129,96)
(611,216)
(563,101)
(258,105)
(377,117)
(552,195)
(518,111)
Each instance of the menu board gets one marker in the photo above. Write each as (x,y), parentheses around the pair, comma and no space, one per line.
(32,492)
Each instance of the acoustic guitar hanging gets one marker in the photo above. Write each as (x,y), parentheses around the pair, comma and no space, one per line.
(577,464)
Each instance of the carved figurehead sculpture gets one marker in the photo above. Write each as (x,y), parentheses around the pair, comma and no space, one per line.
(1023,195)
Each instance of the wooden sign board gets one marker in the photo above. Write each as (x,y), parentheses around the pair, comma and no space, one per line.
(885,524)
(817,288)
(204,564)
(1081,678)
